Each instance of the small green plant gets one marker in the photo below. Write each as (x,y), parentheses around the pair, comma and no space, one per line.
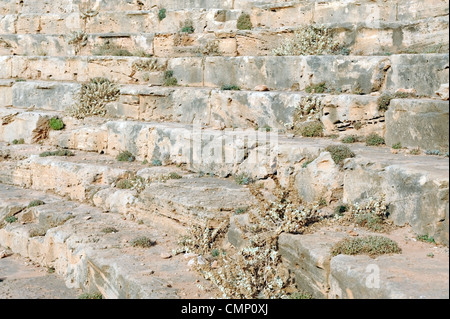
(350,139)
(143,242)
(188,26)
(384,101)
(244,22)
(110,49)
(374,139)
(36,202)
(125,156)
(229,87)
(96,295)
(397,146)
(174,175)
(19,141)
(56,124)
(240,210)
(215,252)
(161,14)
(415,151)
(51,270)
(339,153)
(156,162)
(300,295)
(426,238)
(243,179)
(311,129)
(169,79)
(109,230)
(316,88)
(57,153)
(370,245)
(11,219)
(125,184)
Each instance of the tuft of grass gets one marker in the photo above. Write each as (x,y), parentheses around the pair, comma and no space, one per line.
(370,245)
(57,153)
(110,49)
(350,139)
(243,179)
(19,141)
(383,101)
(374,139)
(300,295)
(316,88)
(162,14)
(240,210)
(143,242)
(109,230)
(36,202)
(229,87)
(339,153)
(397,146)
(426,238)
(415,151)
(169,79)
(96,295)
(11,219)
(312,129)
(56,124)
(244,22)
(174,175)
(124,184)
(126,156)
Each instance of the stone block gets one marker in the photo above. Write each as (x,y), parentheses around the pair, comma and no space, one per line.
(418,123)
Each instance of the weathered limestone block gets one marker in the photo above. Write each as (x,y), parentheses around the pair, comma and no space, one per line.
(187,71)
(308,257)
(362,277)
(418,123)
(211,203)
(341,113)
(44,95)
(320,179)
(31,126)
(291,157)
(91,139)
(8,24)
(417,194)
(6,93)
(430,71)
(252,109)
(69,178)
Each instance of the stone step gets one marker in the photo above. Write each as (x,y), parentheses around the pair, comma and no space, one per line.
(72,239)
(116,17)
(213,107)
(413,274)
(420,122)
(367,74)
(415,185)
(95,179)
(358,39)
